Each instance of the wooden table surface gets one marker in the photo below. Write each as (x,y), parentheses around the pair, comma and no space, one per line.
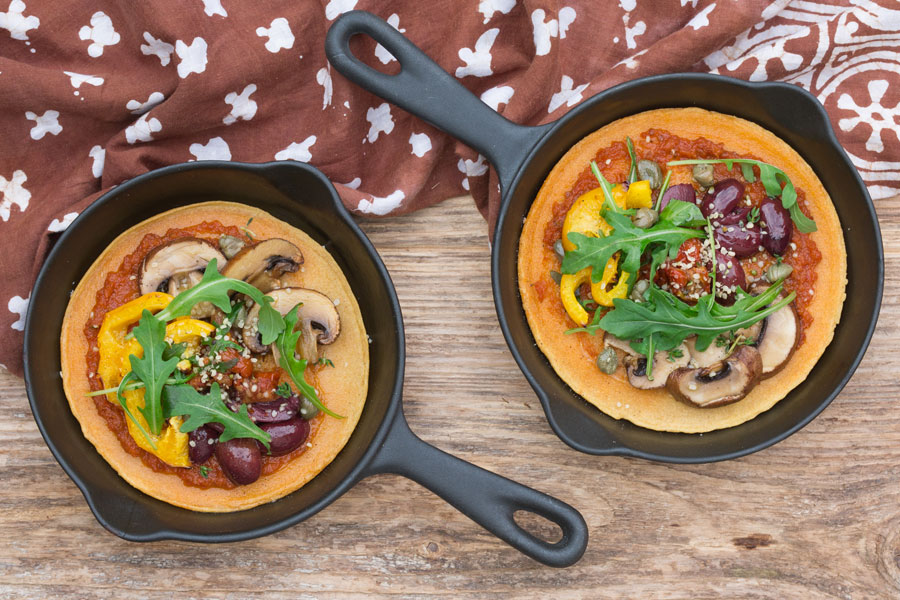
(816,516)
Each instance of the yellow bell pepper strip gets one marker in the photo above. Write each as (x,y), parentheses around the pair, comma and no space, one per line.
(584,217)
(170,446)
(568,285)
(639,195)
(599,290)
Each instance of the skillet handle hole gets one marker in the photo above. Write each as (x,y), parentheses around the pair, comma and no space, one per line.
(372,54)
(542,528)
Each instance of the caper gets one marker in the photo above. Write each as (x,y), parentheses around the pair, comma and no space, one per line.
(639,289)
(645,217)
(703,174)
(558,248)
(608,361)
(230,245)
(556,276)
(308,410)
(650,171)
(778,271)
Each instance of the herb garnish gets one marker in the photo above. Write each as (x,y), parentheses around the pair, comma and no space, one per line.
(325,361)
(632,172)
(286,345)
(204,471)
(200,409)
(284,390)
(772,177)
(152,369)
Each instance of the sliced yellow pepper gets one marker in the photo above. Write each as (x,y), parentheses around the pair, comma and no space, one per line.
(639,195)
(568,285)
(599,291)
(115,349)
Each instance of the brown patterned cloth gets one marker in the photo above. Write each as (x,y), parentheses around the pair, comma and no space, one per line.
(93,93)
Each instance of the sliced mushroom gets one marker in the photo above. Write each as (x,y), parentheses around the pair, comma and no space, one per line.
(177,265)
(725,382)
(317,317)
(263,263)
(777,339)
(713,353)
(619,344)
(664,362)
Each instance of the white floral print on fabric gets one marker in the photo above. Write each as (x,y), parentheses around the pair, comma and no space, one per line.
(544,31)
(381,53)
(421,144)
(18,306)
(701,19)
(380,121)
(498,95)
(13,193)
(489,7)
(298,151)
(478,61)
(242,107)
(57,225)
(158,48)
(215,149)
(214,7)
(323,78)
(143,129)
(381,206)
(279,35)
(100,32)
(193,57)
(77,79)
(138,108)
(566,95)
(15,21)
(44,124)
(877,116)
(471,168)
(336,8)
(98,158)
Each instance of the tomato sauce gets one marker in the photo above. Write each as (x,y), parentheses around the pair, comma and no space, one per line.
(662,146)
(121,286)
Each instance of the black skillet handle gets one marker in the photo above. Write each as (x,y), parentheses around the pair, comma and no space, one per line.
(427,91)
(487,498)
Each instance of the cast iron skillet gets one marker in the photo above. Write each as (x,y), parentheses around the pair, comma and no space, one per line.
(524,156)
(382,441)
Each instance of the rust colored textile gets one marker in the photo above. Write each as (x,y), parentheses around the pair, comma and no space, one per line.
(94,93)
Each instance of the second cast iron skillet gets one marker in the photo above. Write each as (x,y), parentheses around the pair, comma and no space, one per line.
(382,441)
(524,156)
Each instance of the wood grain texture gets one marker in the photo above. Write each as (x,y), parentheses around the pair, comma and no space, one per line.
(816,516)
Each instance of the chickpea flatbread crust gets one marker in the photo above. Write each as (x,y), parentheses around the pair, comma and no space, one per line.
(342,388)
(657,409)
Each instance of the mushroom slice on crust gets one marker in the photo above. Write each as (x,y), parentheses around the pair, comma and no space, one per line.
(317,317)
(611,341)
(263,263)
(720,384)
(777,339)
(176,265)
(664,362)
(713,353)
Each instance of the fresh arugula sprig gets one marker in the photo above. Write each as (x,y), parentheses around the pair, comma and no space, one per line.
(284,390)
(609,202)
(672,230)
(200,409)
(293,366)
(120,396)
(214,288)
(772,179)
(632,171)
(153,369)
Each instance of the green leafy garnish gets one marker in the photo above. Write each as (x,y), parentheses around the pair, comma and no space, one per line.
(682,214)
(631,241)
(662,190)
(671,355)
(632,172)
(772,179)
(200,409)
(174,350)
(120,396)
(204,471)
(608,202)
(152,369)
(284,390)
(293,366)
(325,361)
(214,288)
(666,321)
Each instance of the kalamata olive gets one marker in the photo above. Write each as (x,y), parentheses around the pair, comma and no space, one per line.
(704,175)
(729,276)
(286,435)
(740,239)
(201,443)
(683,191)
(724,198)
(738,214)
(648,170)
(273,411)
(241,460)
(778,226)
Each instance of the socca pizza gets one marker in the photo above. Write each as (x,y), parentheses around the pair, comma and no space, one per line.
(215,357)
(682,269)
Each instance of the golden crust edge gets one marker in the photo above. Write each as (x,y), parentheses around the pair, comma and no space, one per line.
(618,398)
(345,394)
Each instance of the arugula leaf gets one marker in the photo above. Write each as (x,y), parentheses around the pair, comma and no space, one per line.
(284,390)
(200,409)
(662,189)
(772,179)
(214,288)
(123,386)
(632,172)
(668,320)
(174,350)
(153,369)
(608,202)
(626,238)
(681,213)
(286,344)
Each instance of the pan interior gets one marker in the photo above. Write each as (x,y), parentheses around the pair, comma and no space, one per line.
(798,119)
(294,193)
